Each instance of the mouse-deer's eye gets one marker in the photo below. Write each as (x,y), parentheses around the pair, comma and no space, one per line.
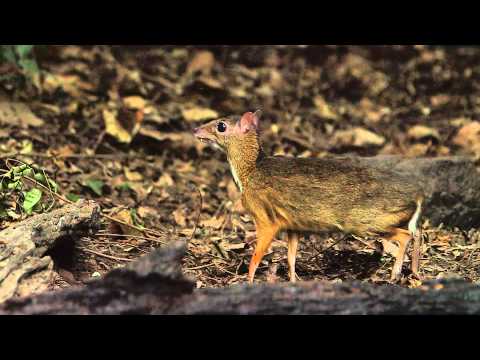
(221,127)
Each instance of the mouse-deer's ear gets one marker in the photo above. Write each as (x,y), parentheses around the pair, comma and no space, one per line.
(249,121)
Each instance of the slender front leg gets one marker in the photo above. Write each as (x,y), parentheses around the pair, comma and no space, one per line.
(265,235)
(403,237)
(292,239)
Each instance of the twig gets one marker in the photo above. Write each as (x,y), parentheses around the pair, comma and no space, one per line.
(227,271)
(148,231)
(364,242)
(103,242)
(105,255)
(199,267)
(133,237)
(322,251)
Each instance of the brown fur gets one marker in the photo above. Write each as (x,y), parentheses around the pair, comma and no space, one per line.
(299,194)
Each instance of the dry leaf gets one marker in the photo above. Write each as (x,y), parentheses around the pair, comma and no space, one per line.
(276,79)
(360,68)
(210,82)
(4,133)
(147,211)
(184,167)
(199,114)
(179,217)
(419,132)
(202,61)
(125,216)
(459,122)
(183,140)
(323,109)
(160,136)
(358,137)
(132,175)
(468,137)
(239,92)
(52,108)
(134,102)
(373,112)
(439,100)
(141,190)
(114,128)
(264,90)
(15,113)
(186,232)
(164,181)
(230,246)
(65,150)
(417,150)
(213,222)
(116,181)
(71,84)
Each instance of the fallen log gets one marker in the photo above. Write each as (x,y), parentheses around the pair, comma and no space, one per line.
(155,285)
(23,246)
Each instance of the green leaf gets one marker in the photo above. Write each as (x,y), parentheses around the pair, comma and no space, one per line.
(124,186)
(14,185)
(53,185)
(136,221)
(3,212)
(32,198)
(30,66)
(19,169)
(96,186)
(23,50)
(8,54)
(27,172)
(13,214)
(27,147)
(40,178)
(73,197)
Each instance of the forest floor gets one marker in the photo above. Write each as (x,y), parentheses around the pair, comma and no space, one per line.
(114,124)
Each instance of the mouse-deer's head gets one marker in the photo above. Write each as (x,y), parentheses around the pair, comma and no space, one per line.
(226,132)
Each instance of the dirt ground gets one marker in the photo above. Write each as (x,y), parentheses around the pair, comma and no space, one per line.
(122,117)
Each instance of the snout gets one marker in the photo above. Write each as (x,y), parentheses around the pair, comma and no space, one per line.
(202,134)
(198,132)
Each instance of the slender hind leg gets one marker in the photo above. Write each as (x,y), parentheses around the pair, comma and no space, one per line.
(403,237)
(416,232)
(416,253)
(265,235)
(292,254)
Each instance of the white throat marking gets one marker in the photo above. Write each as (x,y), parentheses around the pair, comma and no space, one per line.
(235,176)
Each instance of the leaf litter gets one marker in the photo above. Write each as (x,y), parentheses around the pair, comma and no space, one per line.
(126,114)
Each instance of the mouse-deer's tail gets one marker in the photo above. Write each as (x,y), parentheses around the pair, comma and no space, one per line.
(414,221)
(415,229)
